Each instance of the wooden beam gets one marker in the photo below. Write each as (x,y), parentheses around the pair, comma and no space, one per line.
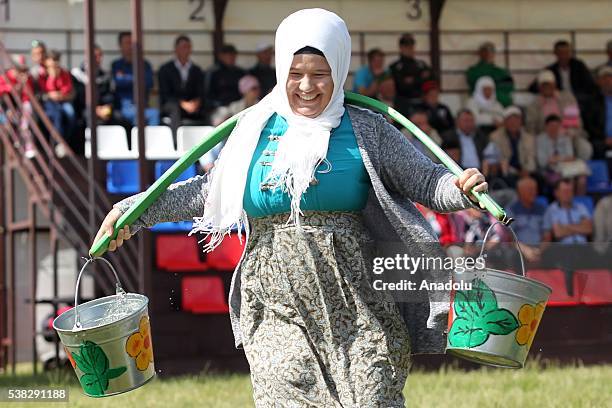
(435,12)
(219,7)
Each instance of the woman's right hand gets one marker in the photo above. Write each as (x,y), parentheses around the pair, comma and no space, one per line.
(107,227)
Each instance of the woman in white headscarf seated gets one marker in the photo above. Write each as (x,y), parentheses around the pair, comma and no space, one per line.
(317,184)
(489,113)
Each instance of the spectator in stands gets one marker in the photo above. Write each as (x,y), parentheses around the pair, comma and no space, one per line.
(571,74)
(263,69)
(471,226)
(599,114)
(602,220)
(38,53)
(222,79)
(250,91)
(369,78)
(608,63)
(442,225)
(572,127)
(420,119)
(181,87)
(528,217)
(123,80)
(549,101)
(515,144)
(439,114)
(486,67)
(17,80)
(487,110)
(565,220)
(408,74)
(452,148)
(58,93)
(105,112)
(470,140)
(556,158)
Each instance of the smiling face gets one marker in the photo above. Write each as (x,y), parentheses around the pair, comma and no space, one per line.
(309,85)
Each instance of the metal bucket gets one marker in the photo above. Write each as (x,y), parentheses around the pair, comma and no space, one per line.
(110,352)
(495,321)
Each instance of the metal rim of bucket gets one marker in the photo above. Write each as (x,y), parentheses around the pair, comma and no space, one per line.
(118,290)
(99,328)
(473,357)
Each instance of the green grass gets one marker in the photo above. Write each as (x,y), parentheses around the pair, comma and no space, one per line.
(537,385)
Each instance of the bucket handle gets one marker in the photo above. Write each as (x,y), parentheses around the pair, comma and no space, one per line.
(516,241)
(118,289)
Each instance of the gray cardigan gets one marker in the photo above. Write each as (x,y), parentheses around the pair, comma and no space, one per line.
(399,174)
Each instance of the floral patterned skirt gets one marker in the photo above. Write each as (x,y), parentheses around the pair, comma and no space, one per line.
(315,332)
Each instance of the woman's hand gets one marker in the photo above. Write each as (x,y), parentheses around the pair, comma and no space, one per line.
(107,227)
(472,178)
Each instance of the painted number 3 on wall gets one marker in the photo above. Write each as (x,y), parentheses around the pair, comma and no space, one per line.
(197,14)
(415,12)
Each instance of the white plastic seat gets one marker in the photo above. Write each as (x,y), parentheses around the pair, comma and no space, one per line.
(112,143)
(159,143)
(189,136)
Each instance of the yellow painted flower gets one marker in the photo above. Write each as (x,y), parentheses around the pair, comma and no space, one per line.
(139,346)
(529,317)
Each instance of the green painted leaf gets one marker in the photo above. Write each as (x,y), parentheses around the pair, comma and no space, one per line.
(483,298)
(81,363)
(464,333)
(115,372)
(499,321)
(95,356)
(463,306)
(94,364)
(93,384)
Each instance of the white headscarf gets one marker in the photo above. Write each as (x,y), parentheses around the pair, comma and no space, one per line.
(304,145)
(478,95)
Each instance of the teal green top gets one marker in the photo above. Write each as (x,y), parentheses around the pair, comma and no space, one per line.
(344,188)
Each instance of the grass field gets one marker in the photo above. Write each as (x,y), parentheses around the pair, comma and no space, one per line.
(538,385)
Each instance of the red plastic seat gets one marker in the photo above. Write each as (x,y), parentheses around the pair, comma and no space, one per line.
(227,255)
(594,286)
(555,278)
(178,253)
(203,294)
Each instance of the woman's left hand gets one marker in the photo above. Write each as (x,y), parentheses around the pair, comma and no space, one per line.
(472,178)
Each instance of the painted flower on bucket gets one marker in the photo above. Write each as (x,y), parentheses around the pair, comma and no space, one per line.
(529,317)
(139,345)
(70,358)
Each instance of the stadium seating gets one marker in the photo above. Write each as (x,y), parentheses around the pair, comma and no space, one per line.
(587,201)
(594,286)
(122,177)
(173,226)
(203,294)
(112,143)
(163,165)
(189,136)
(227,255)
(178,253)
(555,278)
(599,180)
(159,143)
